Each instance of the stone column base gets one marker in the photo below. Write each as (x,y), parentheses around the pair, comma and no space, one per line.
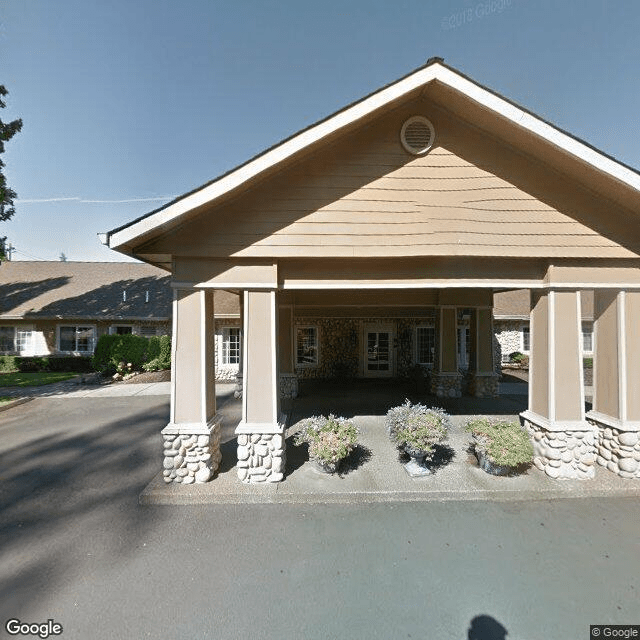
(446,385)
(562,450)
(261,453)
(618,445)
(288,385)
(484,385)
(191,452)
(237,392)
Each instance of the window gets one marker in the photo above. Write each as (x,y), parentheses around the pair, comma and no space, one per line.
(425,345)
(306,346)
(231,345)
(147,332)
(14,339)
(7,339)
(77,338)
(121,329)
(526,339)
(587,338)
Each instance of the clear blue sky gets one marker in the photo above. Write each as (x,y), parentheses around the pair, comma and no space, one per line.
(128,103)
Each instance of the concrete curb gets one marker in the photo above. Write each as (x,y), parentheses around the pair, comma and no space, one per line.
(15,403)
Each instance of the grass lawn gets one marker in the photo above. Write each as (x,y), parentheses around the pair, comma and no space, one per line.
(18,379)
(5,400)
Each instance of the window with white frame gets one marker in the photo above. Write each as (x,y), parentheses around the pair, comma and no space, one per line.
(15,339)
(526,339)
(231,345)
(306,346)
(76,338)
(425,345)
(587,338)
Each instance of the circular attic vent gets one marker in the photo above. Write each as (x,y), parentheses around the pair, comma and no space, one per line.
(417,135)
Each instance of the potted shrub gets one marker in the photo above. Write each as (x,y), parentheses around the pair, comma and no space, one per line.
(416,429)
(331,439)
(502,447)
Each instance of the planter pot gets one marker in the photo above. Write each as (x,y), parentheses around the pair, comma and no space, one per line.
(417,466)
(328,468)
(490,467)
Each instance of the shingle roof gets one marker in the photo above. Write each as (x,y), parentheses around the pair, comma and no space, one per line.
(91,290)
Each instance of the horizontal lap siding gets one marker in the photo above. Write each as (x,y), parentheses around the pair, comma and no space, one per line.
(366,197)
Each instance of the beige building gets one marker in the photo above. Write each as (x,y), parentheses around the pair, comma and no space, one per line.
(375,239)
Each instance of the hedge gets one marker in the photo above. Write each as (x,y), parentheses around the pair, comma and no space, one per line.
(116,352)
(34,364)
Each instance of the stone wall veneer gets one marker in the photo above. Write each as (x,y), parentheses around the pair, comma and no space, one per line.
(446,385)
(563,454)
(288,385)
(483,386)
(191,458)
(261,457)
(618,450)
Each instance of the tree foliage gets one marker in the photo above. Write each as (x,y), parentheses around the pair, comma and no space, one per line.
(7,131)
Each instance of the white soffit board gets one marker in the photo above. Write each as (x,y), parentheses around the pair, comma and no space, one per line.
(359,110)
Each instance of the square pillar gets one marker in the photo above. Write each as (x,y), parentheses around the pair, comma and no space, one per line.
(616,406)
(192,437)
(564,442)
(446,380)
(261,446)
(288,379)
(483,380)
(237,392)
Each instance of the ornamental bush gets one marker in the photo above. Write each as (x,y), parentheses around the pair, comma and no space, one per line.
(122,353)
(417,426)
(158,354)
(330,439)
(504,442)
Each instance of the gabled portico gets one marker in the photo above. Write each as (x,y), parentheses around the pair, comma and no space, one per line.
(371,244)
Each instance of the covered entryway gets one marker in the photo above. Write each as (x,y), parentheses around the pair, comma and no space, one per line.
(409,209)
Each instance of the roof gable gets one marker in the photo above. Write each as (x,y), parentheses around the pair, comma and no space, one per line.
(617,180)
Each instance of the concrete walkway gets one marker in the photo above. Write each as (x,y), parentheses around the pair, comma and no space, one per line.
(374,472)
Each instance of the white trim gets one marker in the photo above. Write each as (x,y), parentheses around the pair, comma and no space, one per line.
(615,423)
(261,427)
(532,357)
(352,114)
(236,285)
(551,355)
(245,358)
(566,425)
(580,354)
(421,284)
(94,340)
(275,382)
(192,428)
(594,401)
(203,355)
(621,305)
(174,348)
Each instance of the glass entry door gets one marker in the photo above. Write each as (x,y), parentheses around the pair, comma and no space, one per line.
(378,355)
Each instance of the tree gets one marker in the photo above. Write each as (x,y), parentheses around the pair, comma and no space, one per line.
(62,257)
(7,131)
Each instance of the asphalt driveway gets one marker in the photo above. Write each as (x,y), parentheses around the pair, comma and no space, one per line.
(78,548)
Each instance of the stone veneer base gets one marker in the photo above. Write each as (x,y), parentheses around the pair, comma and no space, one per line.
(484,385)
(261,455)
(191,452)
(288,385)
(561,452)
(618,445)
(446,385)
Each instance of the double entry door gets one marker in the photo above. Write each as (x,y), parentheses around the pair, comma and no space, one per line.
(378,350)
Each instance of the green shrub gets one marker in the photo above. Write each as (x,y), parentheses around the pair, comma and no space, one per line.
(163,359)
(416,426)
(117,352)
(102,355)
(330,439)
(153,348)
(516,356)
(8,364)
(588,363)
(505,443)
(32,364)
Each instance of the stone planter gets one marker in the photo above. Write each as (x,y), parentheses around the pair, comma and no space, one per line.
(327,468)
(486,464)
(418,465)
